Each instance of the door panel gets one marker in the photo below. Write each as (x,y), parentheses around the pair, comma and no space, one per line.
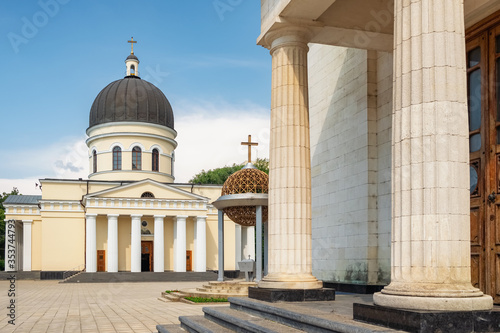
(483,77)
(146,256)
(189,261)
(101,261)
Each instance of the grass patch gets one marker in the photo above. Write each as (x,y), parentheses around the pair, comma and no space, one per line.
(171,291)
(205,300)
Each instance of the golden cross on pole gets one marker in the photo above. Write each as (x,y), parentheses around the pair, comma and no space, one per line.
(249,144)
(132,42)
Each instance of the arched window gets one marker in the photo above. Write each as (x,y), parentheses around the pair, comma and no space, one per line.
(117,158)
(132,70)
(156,159)
(136,158)
(147,195)
(94,161)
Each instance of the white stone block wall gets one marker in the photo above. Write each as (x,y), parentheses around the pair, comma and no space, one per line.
(350,164)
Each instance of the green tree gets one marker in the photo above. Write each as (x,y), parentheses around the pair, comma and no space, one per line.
(4,196)
(219,175)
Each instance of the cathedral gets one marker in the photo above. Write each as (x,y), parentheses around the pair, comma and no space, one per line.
(129,215)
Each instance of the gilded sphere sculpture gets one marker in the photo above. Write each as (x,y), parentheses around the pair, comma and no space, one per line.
(247,180)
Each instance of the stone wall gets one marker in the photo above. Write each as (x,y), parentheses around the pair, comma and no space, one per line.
(350,108)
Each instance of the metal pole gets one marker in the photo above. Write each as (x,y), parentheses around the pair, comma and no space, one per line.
(266,247)
(258,252)
(221,246)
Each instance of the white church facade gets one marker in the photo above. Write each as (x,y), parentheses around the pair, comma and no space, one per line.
(129,215)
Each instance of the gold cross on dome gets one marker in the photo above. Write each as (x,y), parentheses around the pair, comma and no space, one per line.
(132,42)
(249,144)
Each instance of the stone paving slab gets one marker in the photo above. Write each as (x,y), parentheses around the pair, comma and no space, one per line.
(49,306)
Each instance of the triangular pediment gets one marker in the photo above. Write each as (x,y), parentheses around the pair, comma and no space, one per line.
(135,191)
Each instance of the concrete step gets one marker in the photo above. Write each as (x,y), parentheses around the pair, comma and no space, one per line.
(243,322)
(173,297)
(196,293)
(242,291)
(200,324)
(169,329)
(103,277)
(306,318)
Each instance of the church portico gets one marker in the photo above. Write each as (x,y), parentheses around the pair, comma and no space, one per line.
(126,235)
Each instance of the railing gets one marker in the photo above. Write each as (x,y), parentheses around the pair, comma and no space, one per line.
(75,270)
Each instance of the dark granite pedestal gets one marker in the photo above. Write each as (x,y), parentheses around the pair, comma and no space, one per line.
(291,295)
(429,321)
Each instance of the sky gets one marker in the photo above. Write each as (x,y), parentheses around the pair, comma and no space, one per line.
(59,54)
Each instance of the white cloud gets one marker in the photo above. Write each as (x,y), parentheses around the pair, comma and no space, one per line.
(208,142)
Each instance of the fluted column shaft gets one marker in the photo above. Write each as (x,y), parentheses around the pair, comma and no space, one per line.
(180,243)
(112,243)
(159,244)
(135,243)
(430,162)
(200,244)
(90,244)
(289,165)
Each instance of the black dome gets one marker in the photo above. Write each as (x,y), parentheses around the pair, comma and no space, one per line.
(131,99)
(132,56)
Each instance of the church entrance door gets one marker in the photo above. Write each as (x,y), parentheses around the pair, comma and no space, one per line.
(483,77)
(146,256)
(189,261)
(101,261)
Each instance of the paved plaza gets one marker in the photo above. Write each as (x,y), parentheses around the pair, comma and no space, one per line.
(48,306)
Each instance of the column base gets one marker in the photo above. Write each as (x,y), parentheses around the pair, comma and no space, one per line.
(428,321)
(290,281)
(291,295)
(477,303)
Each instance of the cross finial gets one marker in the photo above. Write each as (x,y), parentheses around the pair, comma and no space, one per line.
(132,42)
(249,144)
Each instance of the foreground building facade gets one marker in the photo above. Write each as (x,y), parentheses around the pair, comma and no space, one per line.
(395,106)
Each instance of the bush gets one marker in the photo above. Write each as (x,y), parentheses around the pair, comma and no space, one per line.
(2,265)
(205,300)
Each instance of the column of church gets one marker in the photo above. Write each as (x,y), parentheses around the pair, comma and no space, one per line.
(112,243)
(91,244)
(290,264)
(200,244)
(180,243)
(135,243)
(159,245)
(430,190)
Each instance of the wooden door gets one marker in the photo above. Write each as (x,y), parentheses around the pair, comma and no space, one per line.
(483,75)
(146,256)
(101,261)
(189,261)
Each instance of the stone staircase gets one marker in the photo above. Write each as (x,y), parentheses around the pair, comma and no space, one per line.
(213,289)
(250,315)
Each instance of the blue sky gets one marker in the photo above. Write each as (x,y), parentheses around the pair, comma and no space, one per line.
(58,55)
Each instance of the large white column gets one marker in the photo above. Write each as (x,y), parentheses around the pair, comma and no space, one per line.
(112,243)
(430,262)
(90,244)
(159,244)
(290,265)
(27,245)
(237,245)
(180,243)
(248,242)
(135,243)
(200,244)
